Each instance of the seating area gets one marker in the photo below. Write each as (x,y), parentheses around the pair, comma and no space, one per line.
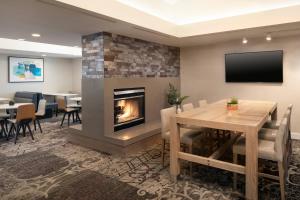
(149,100)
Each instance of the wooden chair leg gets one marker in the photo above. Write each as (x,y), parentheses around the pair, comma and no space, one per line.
(29,129)
(34,123)
(191,163)
(163,152)
(73,117)
(39,124)
(24,130)
(63,119)
(235,161)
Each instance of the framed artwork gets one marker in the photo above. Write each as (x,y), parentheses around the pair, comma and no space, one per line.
(21,69)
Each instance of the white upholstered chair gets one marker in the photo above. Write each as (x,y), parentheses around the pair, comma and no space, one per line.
(202,102)
(187,106)
(269,150)
(40,114)
(187,136)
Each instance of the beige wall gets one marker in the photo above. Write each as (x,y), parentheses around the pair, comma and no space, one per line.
(60,76)
(77,75)
(203,74)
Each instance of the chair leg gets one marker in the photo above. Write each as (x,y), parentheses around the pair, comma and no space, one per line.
(69,116)
(78,118)
(281,180)
(29,129)
(73,117)
(34,123)
(62,121)
(39,124)
(235,161)
(191,163)
(17,129)
(163,144)
(24,130)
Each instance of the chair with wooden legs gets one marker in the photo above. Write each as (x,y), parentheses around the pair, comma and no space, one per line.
(25,115)
(67,111)
(40,114)
(269,150)
(270,128)
(187,106)
(187,136)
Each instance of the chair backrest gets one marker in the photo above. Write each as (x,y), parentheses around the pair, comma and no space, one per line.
(202,102)
(165,115)
(61,103)
(25,112)
(281,139)
(188,106)
(42,107)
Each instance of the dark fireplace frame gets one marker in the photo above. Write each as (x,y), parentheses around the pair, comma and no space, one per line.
(128,93)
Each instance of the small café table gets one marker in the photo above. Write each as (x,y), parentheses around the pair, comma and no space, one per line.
(77,99)
(4,99)
(248,119)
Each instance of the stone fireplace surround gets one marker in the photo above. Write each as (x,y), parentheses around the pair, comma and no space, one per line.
(114,61)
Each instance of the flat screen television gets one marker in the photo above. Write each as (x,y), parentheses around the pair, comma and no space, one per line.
(264,66)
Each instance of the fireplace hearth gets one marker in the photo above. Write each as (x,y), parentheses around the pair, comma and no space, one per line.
(129,107)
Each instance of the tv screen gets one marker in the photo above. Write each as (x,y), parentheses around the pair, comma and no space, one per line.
(265,66)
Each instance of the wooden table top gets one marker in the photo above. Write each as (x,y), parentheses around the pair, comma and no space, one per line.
(249,114)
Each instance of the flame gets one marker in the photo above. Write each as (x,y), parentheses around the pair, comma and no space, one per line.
(129,110)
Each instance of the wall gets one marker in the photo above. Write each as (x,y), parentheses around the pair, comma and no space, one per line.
(76,75)
(203,74)
(58,77)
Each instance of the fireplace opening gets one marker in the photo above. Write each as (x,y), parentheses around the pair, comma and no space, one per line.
(129,107)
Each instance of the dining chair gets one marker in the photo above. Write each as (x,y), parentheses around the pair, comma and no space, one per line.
(68,111)
(270,128)
(269,150)
(187,136)
(3,118)
(25,115)
(40,114)
(187,106)
(202,102)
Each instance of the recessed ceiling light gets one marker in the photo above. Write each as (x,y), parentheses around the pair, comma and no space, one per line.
(44,55)
(268,37)
(21,39)
(76,46)
(35,35)
(245,41)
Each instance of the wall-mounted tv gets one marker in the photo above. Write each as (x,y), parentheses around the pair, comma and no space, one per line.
(264,66)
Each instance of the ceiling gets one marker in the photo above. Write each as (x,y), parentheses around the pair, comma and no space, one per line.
(181,12)
(63,24)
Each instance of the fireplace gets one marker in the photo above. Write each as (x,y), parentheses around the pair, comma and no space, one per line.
(129,107)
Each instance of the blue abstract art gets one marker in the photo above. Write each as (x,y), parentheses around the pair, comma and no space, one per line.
(25,69)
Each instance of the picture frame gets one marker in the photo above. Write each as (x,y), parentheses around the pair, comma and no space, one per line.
(25,69)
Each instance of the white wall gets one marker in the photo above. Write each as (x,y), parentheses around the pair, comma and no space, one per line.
(77,77)
(59,77)
(203,74)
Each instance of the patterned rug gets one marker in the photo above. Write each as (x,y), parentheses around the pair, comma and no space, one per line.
(51,168)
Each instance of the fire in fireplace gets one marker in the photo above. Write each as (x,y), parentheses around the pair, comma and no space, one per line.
(129,107)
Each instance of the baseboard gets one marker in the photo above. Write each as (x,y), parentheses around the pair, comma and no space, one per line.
(295,135)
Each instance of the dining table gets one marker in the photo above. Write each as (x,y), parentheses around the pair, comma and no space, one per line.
(4,99)
(248,119)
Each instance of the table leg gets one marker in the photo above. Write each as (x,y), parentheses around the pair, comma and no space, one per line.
(174,148)
(252,165)
(274,114)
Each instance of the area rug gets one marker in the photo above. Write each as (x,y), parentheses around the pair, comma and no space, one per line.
(51,168)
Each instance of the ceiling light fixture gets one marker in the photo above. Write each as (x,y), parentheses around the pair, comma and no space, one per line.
(35,35)
(44,55)
(245,41)
(21,39)
(268,37)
